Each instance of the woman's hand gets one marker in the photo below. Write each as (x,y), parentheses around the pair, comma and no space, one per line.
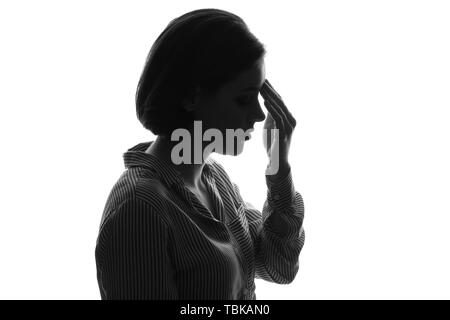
(277,142)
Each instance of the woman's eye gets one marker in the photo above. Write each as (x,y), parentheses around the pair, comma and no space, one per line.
(244,100)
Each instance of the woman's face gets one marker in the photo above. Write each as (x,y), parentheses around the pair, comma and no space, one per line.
(235,105)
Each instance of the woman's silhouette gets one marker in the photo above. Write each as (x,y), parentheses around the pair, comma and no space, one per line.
(183,231)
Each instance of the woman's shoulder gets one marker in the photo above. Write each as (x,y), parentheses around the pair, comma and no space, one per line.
(139,186)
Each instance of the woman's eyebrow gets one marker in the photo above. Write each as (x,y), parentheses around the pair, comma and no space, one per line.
(251,89)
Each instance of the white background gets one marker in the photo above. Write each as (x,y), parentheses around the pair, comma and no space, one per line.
(368,82)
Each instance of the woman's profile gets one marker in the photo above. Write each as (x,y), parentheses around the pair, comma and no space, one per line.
(174,225)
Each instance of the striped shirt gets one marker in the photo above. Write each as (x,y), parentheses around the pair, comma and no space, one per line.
(158,241)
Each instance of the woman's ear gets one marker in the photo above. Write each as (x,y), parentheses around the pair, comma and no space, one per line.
(189,103)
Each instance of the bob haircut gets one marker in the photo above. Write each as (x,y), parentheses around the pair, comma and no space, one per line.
(203,49)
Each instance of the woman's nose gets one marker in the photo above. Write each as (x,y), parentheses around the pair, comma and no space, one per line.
(258,115)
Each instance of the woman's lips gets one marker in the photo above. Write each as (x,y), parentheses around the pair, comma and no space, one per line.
(248,134)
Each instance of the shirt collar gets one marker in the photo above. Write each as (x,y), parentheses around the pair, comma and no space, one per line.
(137,157)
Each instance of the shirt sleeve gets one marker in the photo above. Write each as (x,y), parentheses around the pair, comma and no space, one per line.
(277,233)
(133,252)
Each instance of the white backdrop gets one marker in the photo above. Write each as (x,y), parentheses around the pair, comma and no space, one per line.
(368,82)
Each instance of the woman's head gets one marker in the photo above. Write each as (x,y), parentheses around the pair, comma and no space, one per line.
(197,53)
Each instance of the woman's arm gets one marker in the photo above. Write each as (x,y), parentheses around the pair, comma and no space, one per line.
(277,233)
(132,255)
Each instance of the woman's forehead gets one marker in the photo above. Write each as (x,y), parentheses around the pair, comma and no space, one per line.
(249,80)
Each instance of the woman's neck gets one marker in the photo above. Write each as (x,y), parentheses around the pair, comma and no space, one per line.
(191,173)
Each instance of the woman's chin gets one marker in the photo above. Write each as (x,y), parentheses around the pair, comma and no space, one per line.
(234,149)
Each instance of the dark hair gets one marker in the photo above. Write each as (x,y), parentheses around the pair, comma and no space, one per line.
(203,48)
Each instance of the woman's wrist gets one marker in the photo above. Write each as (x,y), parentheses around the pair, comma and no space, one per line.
(283,170)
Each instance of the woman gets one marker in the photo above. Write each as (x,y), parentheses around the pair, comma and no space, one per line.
(181,230)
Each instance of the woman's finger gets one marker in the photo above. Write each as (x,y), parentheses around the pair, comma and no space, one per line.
(275,115)
(270,94)
(276,96)
(282,114)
